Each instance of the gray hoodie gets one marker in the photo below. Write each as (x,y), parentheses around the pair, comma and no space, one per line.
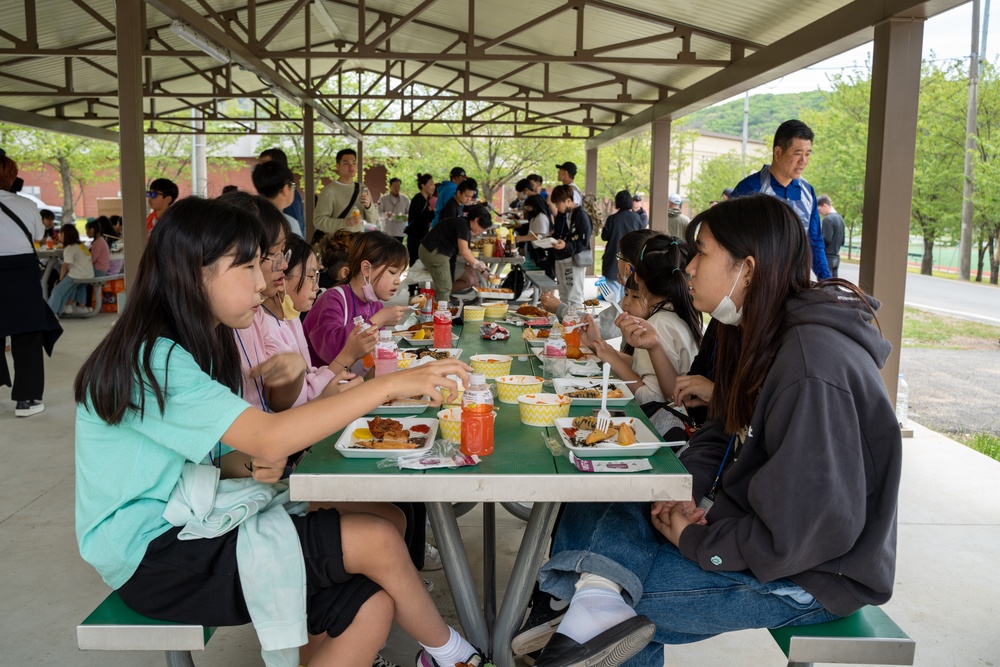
(812,495)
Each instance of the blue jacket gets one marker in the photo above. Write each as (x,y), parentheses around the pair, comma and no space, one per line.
(802,198)
(445,193)
(297,210)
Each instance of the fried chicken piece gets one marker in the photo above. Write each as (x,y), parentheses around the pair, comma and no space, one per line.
(379,426)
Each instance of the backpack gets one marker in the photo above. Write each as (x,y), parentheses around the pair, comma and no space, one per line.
(515,281)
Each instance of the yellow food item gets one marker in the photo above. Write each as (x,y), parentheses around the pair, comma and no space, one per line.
(362,434)
(529,334)
(626,436)
(599,436)
(588,423)
(419,335)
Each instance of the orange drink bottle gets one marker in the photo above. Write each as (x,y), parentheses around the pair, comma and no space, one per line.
(477,417)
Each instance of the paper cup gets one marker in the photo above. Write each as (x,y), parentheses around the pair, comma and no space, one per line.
(490,365)
(474,313)
(496,310)
(405,359)
(450,423)
(543,409)
(510,387)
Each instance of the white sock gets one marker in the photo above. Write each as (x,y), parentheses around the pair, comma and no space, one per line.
(596,606)
(455,650)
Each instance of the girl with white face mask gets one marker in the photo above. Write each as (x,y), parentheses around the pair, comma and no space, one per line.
(795,475)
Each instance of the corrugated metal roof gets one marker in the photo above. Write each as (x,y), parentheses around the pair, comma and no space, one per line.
(605,84)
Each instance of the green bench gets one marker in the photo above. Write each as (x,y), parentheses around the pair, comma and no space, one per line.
(115,627)
(868,636)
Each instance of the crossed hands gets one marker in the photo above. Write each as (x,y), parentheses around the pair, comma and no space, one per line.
(672,517)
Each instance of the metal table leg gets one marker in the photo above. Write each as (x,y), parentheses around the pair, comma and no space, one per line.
(490,563)
(458,574)
(522,580)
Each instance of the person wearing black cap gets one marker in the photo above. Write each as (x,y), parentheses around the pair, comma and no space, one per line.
(446,191)
(727,193)
(449,238)
(567,172)
(639,210)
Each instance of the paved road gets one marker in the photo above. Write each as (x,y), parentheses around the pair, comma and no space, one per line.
(971,301)
(953,391)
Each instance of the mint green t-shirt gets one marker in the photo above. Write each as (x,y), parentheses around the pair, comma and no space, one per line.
(125,473)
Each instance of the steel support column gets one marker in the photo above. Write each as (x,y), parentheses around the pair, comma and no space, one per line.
(892,136)
(130,19)
(659,179)
(309,167)
(591,182)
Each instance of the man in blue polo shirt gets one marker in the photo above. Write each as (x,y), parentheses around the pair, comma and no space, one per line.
(783,179)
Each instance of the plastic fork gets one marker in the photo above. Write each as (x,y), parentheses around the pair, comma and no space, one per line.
(608,294)
(604,417)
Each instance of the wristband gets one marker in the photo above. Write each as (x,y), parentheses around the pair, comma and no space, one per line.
(346,368)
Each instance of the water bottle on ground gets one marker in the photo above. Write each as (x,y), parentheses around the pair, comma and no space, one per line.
(442,326)
(902,402)
(386,354)
(477,417)
(554,362)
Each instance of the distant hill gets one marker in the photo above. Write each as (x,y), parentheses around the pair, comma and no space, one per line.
(767,111)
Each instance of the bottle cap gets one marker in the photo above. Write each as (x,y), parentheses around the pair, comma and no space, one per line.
(477,378)
(442,305)
(385,334)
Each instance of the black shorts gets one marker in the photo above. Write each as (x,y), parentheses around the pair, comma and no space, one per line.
(197,581)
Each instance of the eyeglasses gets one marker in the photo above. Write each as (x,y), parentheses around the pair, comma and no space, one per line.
(278,261)
(312,278)
(152,194)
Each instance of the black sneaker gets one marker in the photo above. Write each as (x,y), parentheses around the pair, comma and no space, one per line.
(544,615)
(28,408)
(475,660)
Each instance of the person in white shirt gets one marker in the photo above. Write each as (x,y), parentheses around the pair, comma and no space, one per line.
(394,207)
(27,321)
(341,198)
(566,174)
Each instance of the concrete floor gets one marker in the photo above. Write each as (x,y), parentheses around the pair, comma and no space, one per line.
(947,585)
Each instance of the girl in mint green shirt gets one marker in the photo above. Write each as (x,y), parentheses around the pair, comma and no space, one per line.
(162,390)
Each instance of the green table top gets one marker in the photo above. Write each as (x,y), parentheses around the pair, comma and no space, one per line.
(521,467)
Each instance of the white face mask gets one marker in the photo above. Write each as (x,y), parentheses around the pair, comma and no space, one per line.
(726,311)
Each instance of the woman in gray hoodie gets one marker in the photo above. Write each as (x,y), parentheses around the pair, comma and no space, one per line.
(795,474)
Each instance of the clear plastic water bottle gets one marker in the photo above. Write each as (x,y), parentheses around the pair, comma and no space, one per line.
(477,417)
(386,354)
(902,402)
(555,356)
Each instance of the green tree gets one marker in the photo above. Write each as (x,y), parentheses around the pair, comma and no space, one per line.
(715,175)
(837,167)
(986,196)
(77,160)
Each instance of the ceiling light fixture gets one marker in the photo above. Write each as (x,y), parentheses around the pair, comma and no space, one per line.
(188,34)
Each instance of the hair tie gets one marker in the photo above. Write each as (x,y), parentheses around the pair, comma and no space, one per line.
(642,253)
(673,243)
(675,270)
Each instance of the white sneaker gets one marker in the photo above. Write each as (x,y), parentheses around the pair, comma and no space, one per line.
(432,558)
(28,408)
(83,310)
(69,309)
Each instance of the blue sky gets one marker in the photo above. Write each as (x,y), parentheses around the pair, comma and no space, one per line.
(946,36)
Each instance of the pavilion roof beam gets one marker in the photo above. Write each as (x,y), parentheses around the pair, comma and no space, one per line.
(280,24)
(241,54)
(401,22)
(660,20)
(60,125)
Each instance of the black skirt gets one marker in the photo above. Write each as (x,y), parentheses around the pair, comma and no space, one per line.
(21,304)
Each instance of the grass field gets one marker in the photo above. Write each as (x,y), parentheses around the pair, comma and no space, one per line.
(925,329)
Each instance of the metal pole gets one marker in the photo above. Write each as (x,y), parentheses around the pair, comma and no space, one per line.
(746,124)
(971,121)
(986,33)
(199,159)
(130,40)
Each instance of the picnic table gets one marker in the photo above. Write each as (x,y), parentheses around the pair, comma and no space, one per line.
(521,469)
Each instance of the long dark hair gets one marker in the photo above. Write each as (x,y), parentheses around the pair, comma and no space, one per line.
(767,229)
(537,204)
(662,272)
(168,301)
(300,251)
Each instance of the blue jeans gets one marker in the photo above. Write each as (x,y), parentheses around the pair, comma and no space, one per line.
(687,604)
(61,292)
(81,290)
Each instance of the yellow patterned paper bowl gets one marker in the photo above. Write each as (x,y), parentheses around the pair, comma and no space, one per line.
(543,409)
(490,365)
(511,387)
(405,359)
(496,309)
(450,422)
(474,313)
